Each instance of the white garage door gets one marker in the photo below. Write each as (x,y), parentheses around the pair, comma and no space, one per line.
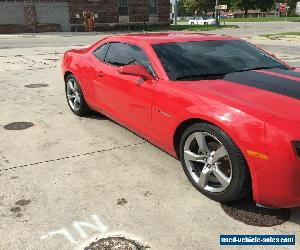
(12,13)
(56,13)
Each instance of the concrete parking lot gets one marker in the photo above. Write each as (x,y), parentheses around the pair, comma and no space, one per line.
(67,180)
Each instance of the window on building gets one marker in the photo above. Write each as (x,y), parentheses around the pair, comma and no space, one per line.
(153,7)
(123,7)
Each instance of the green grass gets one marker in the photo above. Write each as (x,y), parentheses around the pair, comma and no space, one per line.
(280,35)
(194,28)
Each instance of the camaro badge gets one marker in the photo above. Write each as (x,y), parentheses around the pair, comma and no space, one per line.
(162,113)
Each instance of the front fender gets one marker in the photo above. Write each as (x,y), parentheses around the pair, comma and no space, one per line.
(246,127)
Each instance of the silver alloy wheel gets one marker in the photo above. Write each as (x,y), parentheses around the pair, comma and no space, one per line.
(73,94)
(208,162)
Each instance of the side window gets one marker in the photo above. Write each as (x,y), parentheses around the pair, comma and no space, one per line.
(120,54)
(100,53)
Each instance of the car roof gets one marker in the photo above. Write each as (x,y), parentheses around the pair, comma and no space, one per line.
(158,38)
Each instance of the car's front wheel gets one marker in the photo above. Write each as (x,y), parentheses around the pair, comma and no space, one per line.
(75,96)
(213,163)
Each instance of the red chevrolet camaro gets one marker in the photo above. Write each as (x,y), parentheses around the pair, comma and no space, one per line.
(227,109)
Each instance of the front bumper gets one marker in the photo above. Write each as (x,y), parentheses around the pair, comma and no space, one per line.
(275,188)
(276,180)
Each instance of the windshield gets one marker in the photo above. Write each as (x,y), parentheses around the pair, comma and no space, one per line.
(195,60)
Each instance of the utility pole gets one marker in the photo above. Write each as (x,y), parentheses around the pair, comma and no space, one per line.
(217,13)
(175,12)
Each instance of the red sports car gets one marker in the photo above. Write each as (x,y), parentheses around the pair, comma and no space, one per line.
(227,109)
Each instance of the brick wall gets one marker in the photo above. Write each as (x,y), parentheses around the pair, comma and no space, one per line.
(19,28)
(30,15)
(164,11)
(107,10)
(138,10)
(13,28)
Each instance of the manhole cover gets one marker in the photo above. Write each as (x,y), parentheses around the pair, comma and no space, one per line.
(115,243)
(18,125)
(247,212)
(38,85)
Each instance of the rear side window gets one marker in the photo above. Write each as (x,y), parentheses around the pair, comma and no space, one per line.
(100,53)
(120,54)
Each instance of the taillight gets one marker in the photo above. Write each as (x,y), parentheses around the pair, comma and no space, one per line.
(296,145)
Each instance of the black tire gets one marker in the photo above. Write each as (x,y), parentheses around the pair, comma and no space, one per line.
(83,109)
(205,24)
(240,185)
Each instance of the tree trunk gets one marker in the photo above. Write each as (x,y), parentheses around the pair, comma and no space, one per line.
(246,11)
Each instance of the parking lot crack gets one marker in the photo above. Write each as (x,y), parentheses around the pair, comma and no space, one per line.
(72,156)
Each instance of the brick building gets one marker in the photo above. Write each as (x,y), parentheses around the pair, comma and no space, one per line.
(81,15)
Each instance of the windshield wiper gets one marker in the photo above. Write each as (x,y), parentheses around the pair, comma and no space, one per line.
(200,76)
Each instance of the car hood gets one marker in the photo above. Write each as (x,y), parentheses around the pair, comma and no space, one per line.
(273,91)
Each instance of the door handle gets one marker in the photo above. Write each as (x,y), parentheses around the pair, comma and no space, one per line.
(100,73)
(140,81)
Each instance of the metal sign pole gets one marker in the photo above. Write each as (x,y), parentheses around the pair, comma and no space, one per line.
(217,13)
(175,13)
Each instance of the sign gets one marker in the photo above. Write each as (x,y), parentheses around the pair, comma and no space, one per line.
(222,7)
(282,7)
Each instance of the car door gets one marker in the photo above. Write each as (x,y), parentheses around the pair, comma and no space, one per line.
(126,98)
(200,21)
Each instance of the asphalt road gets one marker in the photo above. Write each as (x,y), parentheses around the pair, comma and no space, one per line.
(67,180)
(246,30)
(255,29)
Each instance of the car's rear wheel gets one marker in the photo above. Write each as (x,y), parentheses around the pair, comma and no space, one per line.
(75,96)
(213,163)
(205,24)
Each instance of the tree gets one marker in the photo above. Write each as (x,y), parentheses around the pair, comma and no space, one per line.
(198,6)
(193,6)
(235,4)
(292,4)
(252,4)
(246,5)
(226,2)
(265,5)
(181,9)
